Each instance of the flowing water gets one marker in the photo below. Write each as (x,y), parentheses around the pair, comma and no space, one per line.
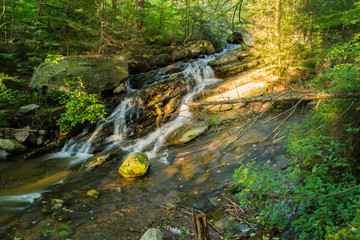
(187,175)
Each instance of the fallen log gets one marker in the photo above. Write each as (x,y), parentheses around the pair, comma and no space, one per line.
(276,98)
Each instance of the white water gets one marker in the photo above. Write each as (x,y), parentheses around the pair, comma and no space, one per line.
(194,70)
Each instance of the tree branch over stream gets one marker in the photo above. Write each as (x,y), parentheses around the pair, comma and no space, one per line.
(304,97)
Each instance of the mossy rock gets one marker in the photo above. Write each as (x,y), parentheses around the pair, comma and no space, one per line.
(135,165)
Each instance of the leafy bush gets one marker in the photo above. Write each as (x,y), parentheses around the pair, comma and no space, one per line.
(80,107)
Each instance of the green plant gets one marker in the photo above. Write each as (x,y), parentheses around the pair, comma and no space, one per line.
(63,231)
(80,107)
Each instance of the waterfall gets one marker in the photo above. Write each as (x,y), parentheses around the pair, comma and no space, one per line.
(196,71)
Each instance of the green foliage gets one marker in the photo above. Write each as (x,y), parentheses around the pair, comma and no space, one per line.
(7,95)
(343,73)
(80,107)
(317,169)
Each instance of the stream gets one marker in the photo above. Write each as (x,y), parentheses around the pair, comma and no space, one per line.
(197,174)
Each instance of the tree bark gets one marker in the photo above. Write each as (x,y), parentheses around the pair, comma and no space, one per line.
(201,226)
(305,97)
(139,9)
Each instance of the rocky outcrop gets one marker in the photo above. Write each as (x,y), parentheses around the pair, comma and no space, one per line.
(135,165)
(160,60)
(12,146)
(95,73)
(232,63)
(152,234)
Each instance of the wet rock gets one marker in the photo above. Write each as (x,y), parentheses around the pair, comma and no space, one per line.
(120,89)
(28,108)
(160,60)
(12,146)
(93,193)
(96,73)
(152,234)
(39,151)
(135,165)
(4,155)
(186,134)
(234,68)
(173,68)
(96,161)
(40,141)
(220,108)
(140,80)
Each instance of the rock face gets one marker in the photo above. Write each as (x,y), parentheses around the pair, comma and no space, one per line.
(96,74)
(232,63)
(152,234)
(12,146)
(135,165)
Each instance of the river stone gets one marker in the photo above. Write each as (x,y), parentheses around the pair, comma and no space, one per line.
(12,146)
(135,165)
(173,68)
(187,53)
(96,73)
(22,136)
(93,193)
(4,155)
(28,108)
(152,234)
(120,89)
(186,134)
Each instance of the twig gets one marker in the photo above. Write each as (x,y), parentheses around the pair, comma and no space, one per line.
(19,129)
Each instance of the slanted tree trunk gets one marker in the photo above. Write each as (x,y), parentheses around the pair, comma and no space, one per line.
(139,9)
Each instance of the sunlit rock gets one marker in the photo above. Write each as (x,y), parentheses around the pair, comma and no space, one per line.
(205,47)
(96,73)
(135,165)
(120,89)
(22,135)
(186,134)
(12,146)
(152,234)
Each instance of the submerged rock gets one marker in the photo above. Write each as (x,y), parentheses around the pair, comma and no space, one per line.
(152,234)
(12,146)
(93,193)
(135,165)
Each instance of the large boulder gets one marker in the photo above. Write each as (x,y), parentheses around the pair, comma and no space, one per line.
(152,234)
(12,146)
(4,155)
(160,60)
(186,133)
(205,47)
(135,165)
(96,73)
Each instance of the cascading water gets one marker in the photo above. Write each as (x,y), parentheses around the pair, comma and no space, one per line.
(196,71)
(52,169)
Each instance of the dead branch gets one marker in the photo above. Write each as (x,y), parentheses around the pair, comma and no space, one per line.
(304,97)
(240,214)
(19,129)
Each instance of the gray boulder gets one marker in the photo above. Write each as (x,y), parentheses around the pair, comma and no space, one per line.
(22,135)
(152,234)
(28,108)
(12,146)
(96,73)
(4,155)
(160,60)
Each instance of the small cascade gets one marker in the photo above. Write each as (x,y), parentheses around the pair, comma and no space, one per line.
(197,72)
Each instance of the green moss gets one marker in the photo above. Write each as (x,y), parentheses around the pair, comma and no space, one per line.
(135,165)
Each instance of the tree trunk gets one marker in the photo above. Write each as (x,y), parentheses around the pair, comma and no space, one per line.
(201,226)
(139,9)
(305,97)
